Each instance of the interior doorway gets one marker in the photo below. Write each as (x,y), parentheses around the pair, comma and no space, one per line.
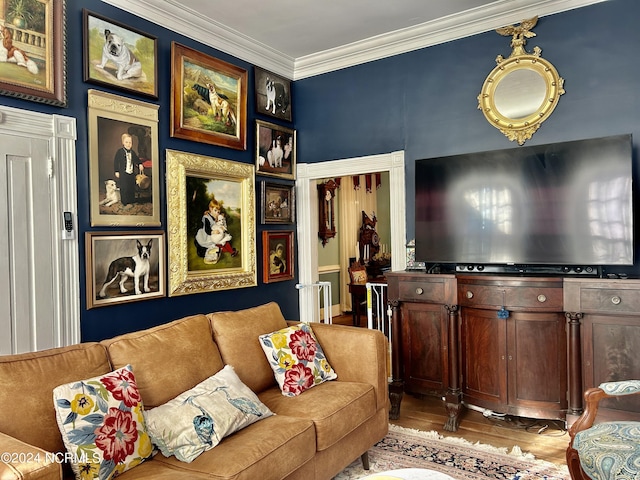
(307,208)
(39,271)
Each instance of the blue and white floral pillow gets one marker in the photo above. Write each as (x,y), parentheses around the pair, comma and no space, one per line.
(198,419)
(102,424)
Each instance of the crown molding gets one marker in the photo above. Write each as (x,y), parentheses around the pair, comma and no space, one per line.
(170,14)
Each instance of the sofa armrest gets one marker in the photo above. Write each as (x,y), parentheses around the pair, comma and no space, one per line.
(21,461)
(357,355)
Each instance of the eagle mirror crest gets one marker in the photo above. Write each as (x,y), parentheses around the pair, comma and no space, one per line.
(522,90)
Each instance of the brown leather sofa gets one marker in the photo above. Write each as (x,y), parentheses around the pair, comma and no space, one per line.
(312,436)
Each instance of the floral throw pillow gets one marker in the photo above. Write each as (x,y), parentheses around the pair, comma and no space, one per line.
(198,419)
(102,424)
(296,358)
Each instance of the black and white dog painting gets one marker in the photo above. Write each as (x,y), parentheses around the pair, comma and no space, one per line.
(136,267)
(117,52)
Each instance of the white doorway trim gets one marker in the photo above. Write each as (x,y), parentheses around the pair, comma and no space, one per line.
(60,132)
(307,208)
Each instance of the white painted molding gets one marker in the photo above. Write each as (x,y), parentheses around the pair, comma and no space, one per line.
(174,16)
(60,132)
(307,212)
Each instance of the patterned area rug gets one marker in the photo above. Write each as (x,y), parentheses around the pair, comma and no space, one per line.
(463,460)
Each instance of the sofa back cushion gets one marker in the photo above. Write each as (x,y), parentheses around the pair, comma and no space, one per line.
(168,359)
(27,381)
(236,334)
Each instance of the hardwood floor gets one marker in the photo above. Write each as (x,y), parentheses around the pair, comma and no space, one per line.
(546,439)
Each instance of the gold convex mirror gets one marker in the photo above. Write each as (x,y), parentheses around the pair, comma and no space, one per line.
(521,91)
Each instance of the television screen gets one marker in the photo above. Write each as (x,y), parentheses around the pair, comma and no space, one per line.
(566,203)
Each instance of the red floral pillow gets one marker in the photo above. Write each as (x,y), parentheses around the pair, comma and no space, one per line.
(102,424)
(297,359)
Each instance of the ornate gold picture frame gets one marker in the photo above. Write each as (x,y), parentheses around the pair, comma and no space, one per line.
(211,224)
(123,195)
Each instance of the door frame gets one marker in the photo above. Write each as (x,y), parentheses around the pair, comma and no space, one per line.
(60,133)
(307,212)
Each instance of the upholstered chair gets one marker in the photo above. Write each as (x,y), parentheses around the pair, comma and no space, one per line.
(609,450)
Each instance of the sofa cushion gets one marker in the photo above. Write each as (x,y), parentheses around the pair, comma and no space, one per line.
(102,424)
(272,448)
(296,358)
(28,379)
(336,408)
(236,334)
(198,419)
(168,359)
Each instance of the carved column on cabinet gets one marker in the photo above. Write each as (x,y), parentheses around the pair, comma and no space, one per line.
(453,397)
(396,387)
(575,363)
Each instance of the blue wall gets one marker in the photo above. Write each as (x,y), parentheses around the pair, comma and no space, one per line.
(104,322)
(423,102)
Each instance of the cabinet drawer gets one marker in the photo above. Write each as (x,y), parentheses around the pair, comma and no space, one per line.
(610,300)
(545,298)
(432,292)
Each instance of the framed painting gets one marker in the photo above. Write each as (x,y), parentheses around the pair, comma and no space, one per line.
(119,56)
(275,150)
(273,94)
(278,203)
(277,256)
(211,224)
(34,42)
(123,161)
(209,99)
(108,254)
(358,273)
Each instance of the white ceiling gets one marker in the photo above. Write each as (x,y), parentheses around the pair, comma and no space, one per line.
(302,38)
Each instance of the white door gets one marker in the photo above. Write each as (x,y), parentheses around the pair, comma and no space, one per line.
(26,241)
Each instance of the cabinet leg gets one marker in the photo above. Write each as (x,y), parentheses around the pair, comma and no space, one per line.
(396,390)
(453,404)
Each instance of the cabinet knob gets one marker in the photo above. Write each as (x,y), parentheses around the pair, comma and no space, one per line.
(419,291)
(616,300)
(542,298)
(469,294)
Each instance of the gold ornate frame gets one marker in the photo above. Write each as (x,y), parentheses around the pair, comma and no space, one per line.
(187,198)
(110,116)
(102,248)
(520,63)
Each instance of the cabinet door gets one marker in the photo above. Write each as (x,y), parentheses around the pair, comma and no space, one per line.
(424,348)
(484,350)
(611,352)
(537,364)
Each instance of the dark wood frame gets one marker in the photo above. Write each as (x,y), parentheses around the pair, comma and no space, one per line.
(268,239)
(260,86)
(53,89)
(93,283)
(270,190)
(92,55)
(265,133)
(183,100)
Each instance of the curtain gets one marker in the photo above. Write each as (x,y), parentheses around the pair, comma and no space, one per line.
(351,203)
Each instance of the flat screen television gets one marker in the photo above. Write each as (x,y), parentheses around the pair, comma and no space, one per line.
(561,204)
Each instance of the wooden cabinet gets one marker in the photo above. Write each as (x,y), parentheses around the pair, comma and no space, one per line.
(513,345)
(427,337)
(605,345)
(526,346)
